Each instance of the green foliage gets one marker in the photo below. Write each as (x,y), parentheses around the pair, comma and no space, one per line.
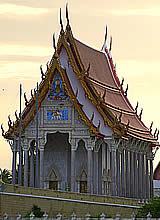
(153,207)
(6,176)
(36,211)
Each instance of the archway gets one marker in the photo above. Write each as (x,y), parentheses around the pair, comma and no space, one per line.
(57,161)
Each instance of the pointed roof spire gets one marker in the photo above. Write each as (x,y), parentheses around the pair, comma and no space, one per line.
(61,23)
(54,45)
(67,17)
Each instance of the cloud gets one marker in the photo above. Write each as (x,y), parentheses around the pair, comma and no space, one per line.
(23,50)
(21,10)
(136,12)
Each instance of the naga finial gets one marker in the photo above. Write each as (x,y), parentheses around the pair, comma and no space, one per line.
(16,115)
(140,115)
(155,132)
(54,42)
(92,117)
(120,116)
(99,124)
(25,98)
(127,126)
(88,68)
(2,130)
(9,121)
(110,46)
(104,95)
(42,73)
(157,135)
(136,107)
(76,92)
(122,82)
(126,91)
(150,129)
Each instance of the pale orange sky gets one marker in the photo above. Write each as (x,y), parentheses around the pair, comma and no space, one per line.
(26,43)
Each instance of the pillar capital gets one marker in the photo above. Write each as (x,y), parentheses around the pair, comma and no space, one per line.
(25,143)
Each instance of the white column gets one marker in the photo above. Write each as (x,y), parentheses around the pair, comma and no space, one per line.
(147,178)
(132,174)
(32,171)
(14,162)
(103,164)
(118,171)
(20,162)
(26,166)
(89,173)
(41,167)
(113,171)
(73,157)
(127,169)
(96,172)
(140,175)
(123,188)
(151,177)
(136,175)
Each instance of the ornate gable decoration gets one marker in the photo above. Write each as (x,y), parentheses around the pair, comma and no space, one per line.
(57,91)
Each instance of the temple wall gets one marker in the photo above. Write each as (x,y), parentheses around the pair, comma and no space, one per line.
(15,199)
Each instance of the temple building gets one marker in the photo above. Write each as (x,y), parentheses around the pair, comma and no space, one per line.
(78,131)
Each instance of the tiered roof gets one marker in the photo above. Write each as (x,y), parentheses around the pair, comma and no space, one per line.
(98,77)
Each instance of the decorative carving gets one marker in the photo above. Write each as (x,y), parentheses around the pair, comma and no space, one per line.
(57,91)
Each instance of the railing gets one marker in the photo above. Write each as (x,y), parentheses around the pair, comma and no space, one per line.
(59,216)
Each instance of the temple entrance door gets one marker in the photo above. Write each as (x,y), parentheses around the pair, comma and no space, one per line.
(53,185)
(83,186)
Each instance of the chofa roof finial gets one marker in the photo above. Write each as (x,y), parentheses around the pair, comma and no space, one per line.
(61,23)
(105,39)
(67,17)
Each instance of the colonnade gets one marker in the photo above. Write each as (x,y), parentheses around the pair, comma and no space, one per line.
(124,171)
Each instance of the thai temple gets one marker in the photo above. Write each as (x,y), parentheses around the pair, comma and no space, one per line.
(78,131)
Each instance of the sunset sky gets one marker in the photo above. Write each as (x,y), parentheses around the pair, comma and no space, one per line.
(26,28)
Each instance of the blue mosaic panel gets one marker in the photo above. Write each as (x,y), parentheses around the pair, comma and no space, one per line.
(57,90)
(57,114)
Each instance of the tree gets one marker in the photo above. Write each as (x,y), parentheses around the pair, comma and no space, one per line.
(36,211)
(153,207)
(6,176)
